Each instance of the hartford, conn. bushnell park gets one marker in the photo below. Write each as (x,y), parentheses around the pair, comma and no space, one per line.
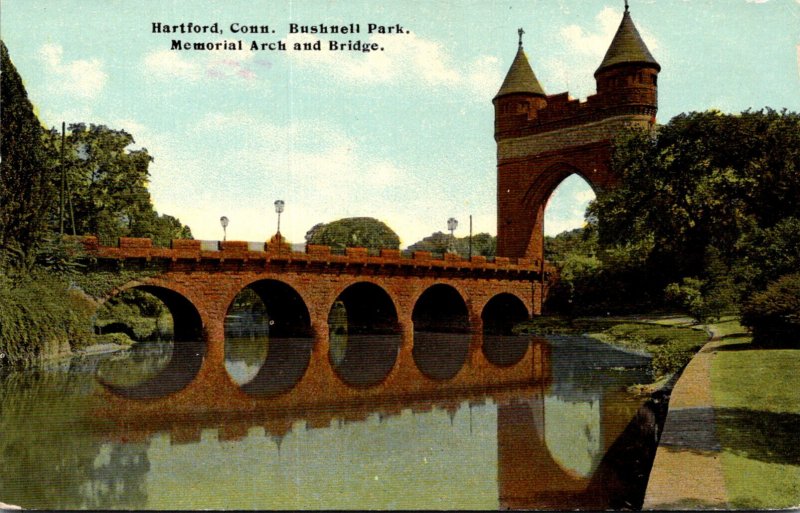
(400,255)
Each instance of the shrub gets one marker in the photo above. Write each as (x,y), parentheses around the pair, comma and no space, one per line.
(39,315)
(774,314)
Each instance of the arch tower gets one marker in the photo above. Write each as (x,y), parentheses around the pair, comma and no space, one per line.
(542,139)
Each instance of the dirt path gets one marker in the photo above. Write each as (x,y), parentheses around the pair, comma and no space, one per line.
(687,471)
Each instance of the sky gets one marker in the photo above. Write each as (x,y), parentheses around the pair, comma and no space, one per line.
(403,134)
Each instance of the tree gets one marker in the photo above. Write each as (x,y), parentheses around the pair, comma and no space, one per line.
(483,244)
(708,180)
(365,232)
(768,253)
(108,186)
(26,181)
(774,313)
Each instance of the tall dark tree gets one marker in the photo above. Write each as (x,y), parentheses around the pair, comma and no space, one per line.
(707,180)
(26,180)
(713,198)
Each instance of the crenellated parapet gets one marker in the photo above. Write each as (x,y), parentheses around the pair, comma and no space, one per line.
(389,261)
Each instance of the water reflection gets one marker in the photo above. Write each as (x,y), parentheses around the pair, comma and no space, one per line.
(284,363)
(244,357)
(152,369)
(364,336)
(579,443)
(363,360)
(117,477)
(505,350)
(440,355)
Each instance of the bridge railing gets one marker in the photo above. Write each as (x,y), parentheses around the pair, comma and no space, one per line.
(130,247)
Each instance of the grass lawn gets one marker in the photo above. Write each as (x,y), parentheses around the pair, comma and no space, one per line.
(757,397)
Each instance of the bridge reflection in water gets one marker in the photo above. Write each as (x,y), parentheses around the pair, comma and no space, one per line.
(514,447)
(273,372)
(572,439)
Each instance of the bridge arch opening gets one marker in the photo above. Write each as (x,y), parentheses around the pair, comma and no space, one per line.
(168,346)
(364,335)
(441,332)
(268,338)
(500,345)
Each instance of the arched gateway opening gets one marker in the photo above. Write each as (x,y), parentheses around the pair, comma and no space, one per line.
(268,338)
(166,356)
(565,243)
(364,335)
(553,200)
(441,332)
(565,209)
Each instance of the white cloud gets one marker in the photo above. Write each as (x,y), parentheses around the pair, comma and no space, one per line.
(406,59)
(592,43)
(199,65)
(169,64)
(485,76)
(584,196)
(571,66)
(80,78)
(567,204)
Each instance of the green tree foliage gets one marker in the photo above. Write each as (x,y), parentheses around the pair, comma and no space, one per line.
(566,244)
(774,313)
(363,232)
(26,187)
(108,186)
(710,298)
(438,243)
(712,197)
(768,253)
(705,180)
(595,280)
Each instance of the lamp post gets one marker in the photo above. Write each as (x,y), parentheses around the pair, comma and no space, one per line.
(224,222)
(452,224)
(279,209)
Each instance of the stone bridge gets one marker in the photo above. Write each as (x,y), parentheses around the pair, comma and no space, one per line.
(414,324)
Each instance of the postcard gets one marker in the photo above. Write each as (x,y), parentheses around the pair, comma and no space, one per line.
(318,254)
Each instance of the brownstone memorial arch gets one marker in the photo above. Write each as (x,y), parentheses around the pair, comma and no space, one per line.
(542,139)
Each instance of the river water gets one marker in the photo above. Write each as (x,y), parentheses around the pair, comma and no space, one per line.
(578,441)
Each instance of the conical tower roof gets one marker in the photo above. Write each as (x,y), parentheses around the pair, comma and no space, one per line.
(520,77)
(627,47)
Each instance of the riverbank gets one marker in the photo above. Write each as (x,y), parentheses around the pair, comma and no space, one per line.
(671,340)
(729,437)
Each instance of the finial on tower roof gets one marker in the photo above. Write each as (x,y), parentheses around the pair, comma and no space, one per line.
(626,5)
(520,32)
